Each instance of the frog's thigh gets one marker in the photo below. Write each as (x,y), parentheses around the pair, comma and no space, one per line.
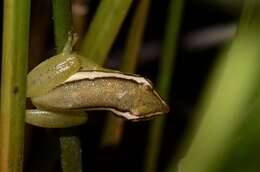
(47,119)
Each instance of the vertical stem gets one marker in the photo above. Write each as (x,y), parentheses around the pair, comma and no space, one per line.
(169,46)
(104,28)
(135,37)
(62,22)
(79,17)
(13,90)
(164,80)
(70,144)
(70,151)
(103,31)
(114,125)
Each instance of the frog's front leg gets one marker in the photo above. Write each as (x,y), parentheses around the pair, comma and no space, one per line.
(48,119)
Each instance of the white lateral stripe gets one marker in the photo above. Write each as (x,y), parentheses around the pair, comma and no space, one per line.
(99,74)
(127,115)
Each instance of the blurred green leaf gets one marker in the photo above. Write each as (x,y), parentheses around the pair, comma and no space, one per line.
(104,29)
(231,89)
(164,80)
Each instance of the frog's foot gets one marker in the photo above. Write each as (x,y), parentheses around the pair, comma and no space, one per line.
(47,119)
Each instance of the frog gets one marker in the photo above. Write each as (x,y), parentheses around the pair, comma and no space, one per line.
(67,85)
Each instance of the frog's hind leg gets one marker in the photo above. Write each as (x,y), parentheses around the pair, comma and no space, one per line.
(47,119)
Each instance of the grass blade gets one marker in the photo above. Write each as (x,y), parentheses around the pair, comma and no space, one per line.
(69,143)
(164,80)
(114,126)
(104,28)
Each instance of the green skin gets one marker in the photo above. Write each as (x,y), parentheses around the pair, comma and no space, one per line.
(62,104)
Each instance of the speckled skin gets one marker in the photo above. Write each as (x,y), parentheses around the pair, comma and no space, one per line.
(51,73)
(52,96)
(104,93)
(48,119)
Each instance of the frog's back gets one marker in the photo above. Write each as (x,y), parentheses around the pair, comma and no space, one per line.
(50,73)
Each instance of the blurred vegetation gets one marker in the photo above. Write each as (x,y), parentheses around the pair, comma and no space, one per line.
(231,90)
(203,56)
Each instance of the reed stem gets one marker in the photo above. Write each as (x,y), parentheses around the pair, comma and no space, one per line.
(69,143)
(104,29)
(164,81)
(114,126)
(13,84)
(62,17)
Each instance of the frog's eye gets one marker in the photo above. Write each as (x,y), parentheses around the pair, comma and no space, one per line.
(129,96)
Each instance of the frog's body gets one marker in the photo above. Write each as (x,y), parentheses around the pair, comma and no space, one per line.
(70,83)
(51,73)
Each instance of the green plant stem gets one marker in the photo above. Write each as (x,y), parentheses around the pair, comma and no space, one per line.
(226,101)
(114,125)
(135,37)
(70,144)
(104,28)
(13,83)
(80,19)
(70,151)
(164,80)
(103,31)
(62,22)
